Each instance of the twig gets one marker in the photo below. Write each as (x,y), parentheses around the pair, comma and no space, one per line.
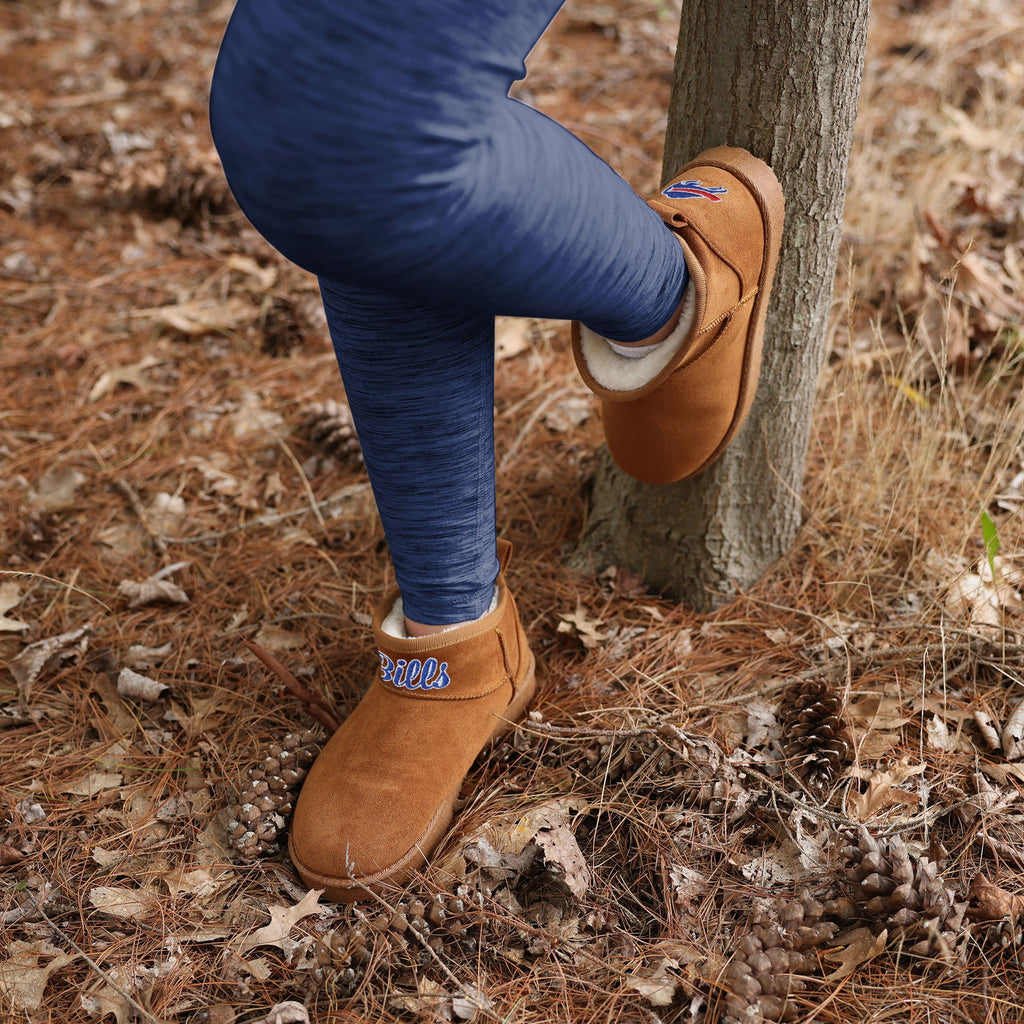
(137,1007)
(140,511)
(314,706)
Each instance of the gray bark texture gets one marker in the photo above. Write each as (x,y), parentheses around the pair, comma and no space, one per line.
(782,79)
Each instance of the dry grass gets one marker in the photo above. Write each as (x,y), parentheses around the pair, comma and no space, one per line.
(108,243)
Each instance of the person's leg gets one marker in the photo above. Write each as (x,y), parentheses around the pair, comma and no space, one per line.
(374,144)
(420,384)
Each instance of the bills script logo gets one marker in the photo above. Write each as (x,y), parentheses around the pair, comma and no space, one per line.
(695,190)
(414,674)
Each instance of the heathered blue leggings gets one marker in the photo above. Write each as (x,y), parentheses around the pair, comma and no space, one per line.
(373,143)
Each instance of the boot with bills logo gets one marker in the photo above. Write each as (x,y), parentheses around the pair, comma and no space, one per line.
(381,794)
(670,413)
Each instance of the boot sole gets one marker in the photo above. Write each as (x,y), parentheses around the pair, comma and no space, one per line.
(348,890)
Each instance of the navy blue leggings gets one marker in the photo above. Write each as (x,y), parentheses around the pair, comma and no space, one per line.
(374,143)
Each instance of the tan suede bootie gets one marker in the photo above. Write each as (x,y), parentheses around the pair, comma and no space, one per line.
(670,413)
(381,795)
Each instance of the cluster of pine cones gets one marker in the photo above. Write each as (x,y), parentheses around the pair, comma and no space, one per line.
(886,885)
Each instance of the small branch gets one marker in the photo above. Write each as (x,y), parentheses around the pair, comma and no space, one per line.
(317,708)
(143,1013)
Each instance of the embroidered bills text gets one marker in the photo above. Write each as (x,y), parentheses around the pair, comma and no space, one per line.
(694,190)
(414,674)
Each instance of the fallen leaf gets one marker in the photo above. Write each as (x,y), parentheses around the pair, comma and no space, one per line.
(288,1012)
(10,597)
(166,513)
(688,885)
(282,920)
(856,947)
(1012,738)
(471,1002)
(93,783)
(562,856)
(22,978)
(56,489)
(133,684)
(124,903)
(878,712)
(108,1000)
(141,657)
(583,627)
(655,984)
(252,418)
(569,413)
(989,903)
(274,638)
(202,316)
(939,737)
(153,590)
(883,791)
(264,276)
(132,375)
(29,664)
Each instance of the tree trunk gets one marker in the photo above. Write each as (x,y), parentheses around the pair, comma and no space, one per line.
(780,78)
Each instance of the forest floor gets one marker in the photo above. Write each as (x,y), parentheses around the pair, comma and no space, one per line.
(650,846)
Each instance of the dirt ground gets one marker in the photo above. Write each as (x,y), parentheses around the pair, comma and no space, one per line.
(805,806)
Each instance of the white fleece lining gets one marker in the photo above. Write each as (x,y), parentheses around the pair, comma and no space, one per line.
(394,621)
(622,373)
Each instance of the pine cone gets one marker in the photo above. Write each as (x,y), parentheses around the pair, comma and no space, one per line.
(773,959)
(684,767)
(909,898)
(329,426)
(282,327)
(259,816)
(448,923)
(816,739)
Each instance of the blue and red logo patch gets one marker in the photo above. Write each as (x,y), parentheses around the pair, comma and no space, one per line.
(694,190)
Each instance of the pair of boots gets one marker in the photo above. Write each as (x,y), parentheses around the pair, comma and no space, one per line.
(382,793)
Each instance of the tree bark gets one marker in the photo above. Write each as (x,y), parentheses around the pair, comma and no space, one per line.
(782,79)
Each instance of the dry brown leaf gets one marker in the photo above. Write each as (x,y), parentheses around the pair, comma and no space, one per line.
(274,638)
(10,597)
(655,983)
(29,664)
(990,903)
(883,792)
(1012,738)
(263,277)
(562,854)
(23,979)
(124,903)
(252,418)
(56,489)
(878,712)
(288,1012)
(109,1001)
(579,624)
(856,947)
(203,316)
(151,591)
(133,684)
(93,783)
(570,412)
(132,375)
(282,920)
